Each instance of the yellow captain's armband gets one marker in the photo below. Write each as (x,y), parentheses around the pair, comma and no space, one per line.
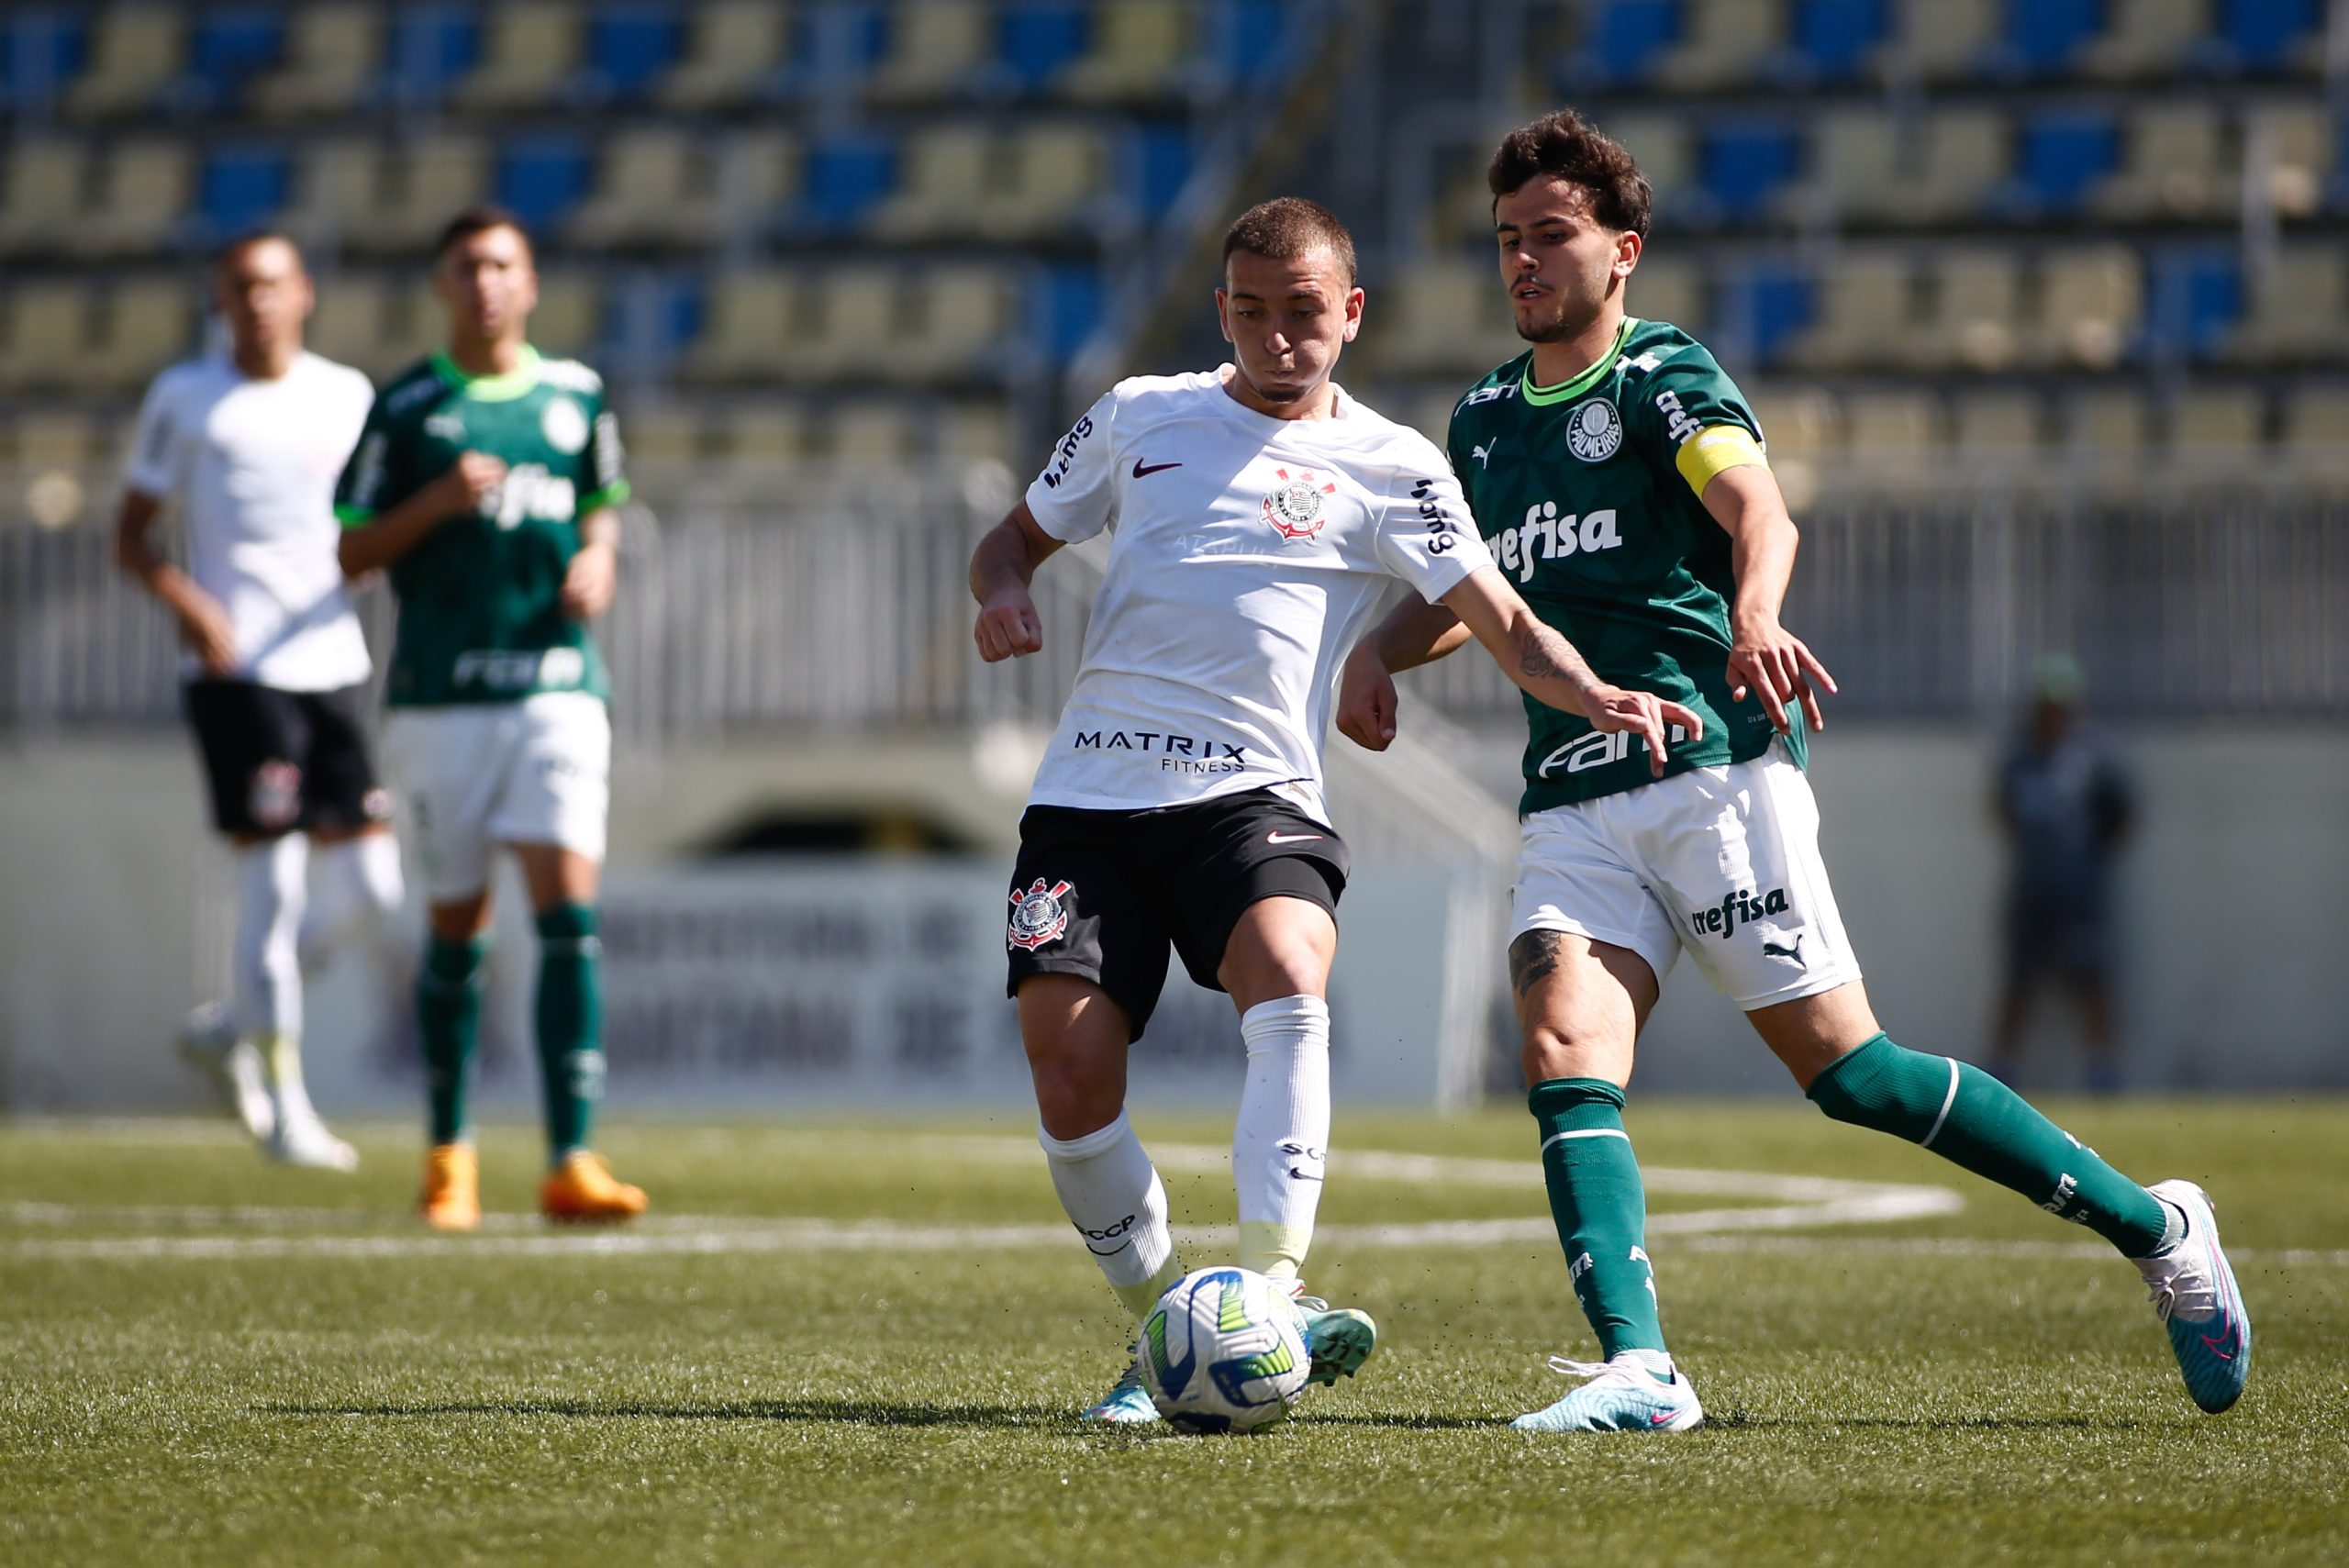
(1715,449)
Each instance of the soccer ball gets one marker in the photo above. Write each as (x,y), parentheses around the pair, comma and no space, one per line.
(1223,1350)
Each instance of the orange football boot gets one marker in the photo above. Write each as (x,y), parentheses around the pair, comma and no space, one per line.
(583,1188)
(451,1199)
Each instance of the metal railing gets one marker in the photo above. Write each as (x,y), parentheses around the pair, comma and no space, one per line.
(842,605)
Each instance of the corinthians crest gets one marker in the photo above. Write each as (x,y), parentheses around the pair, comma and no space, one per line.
(1296,509)
(1038,915)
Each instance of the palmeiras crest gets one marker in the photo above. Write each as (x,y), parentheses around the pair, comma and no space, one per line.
(1295,509)
(1038,915)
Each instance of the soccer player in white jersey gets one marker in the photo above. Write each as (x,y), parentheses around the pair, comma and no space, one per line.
(1258,513)
(1674,574)
(246,444)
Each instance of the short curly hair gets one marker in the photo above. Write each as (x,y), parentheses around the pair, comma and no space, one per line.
(1566,145)
(1287,228)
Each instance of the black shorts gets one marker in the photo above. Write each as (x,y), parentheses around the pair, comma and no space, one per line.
(1102,894)
(282,761)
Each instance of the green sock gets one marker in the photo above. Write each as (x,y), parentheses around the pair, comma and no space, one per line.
(1970,1118)
(570,1019)
(1601,1208)
(448,1015)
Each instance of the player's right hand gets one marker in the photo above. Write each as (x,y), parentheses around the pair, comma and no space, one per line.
(1645,715)
(1008,627)
(204,626)
(1367,701)
(468,486)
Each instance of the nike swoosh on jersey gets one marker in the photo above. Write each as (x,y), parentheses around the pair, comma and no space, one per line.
(1145,471)
(1291,838)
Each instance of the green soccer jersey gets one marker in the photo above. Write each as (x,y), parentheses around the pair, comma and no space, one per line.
(480,617)
(1588,494)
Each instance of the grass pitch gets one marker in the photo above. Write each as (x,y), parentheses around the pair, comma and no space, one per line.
(865,1344)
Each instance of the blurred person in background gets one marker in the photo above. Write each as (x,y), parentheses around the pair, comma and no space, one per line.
(245,443)
(2066,806)
(486,484)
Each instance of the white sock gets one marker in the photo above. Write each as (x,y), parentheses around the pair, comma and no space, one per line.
(358,895)
(1281,1141)
(268,990)
(1112,1195)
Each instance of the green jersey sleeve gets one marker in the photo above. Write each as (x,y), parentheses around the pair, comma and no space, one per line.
(1695,420)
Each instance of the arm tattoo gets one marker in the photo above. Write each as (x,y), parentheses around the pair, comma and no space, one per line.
(1546,655)
(1533,958)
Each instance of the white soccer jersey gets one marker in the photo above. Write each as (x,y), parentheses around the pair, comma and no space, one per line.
(252,466)
(1246,553)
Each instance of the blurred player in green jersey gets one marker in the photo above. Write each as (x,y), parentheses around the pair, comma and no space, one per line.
(485,482)
(1621,480)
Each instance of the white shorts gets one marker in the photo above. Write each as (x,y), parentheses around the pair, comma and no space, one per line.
(1723,861)
(472,777)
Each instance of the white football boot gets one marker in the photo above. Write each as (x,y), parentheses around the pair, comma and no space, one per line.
(2196,1297)
(305,1140)
(1636,1391)
(1127,1402)
(209,1042)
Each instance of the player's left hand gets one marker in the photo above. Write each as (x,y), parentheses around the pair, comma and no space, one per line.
(1767,658)
(588,584)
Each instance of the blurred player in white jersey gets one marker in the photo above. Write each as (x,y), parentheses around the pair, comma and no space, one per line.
(1258,514)
(246,444)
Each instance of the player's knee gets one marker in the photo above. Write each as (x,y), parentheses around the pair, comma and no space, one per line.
(1074,1096)
(1554,1050)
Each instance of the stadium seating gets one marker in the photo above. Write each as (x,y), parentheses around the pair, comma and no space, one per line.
(531,48)
(135,50)
(333,55)
(732,48)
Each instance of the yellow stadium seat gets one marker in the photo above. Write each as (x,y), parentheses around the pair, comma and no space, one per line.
(424,183)
(1997,424)
(2316,422)
(2296,312)
(856,328)
(2217,422)
(149,323)
(965,312)
(1977,306)
(664,432)
(48,180)
(135,50)
(1661,144)
(1660,289)
(2145,39)
(1721,42)
(753,319)
(145,188)
(730,48)
(1962,155)
(569,320)
(337,185)
(2111,421)
(1861,317)
(1139,52)
(348,325)
(530,48)
(1854,168)
(872,433)
(2175,164)
(2298,142)
(2090,301)
(946,180)
(647,179)
(764,432)
(1048,175)
(333,49)
(59,437)
(416,327)
(1444,315)
(1799,424)
(977,432)
(44,332)
(1934,40)
(934,46)
(1891,429)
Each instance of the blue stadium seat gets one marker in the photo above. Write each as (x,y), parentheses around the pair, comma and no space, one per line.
(1161,163)
(1743,164)
(1037,40)
(39,53)
(242,188)
(2197,298)
(231,46)
(1253,40)
(540,178)
(629,46)
(2064,152)
(846,175)
(1833,38)
(1065,310)
(2262,34)
(1622,36)
(431,47)
(1764,305)
(2042,36)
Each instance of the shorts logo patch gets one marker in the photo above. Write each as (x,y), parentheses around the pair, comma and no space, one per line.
(1594,430)
(1038,915)
(1296,509)
(275,799)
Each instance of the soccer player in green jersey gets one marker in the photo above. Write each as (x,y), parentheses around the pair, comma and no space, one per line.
(1621,480)
(485,482)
